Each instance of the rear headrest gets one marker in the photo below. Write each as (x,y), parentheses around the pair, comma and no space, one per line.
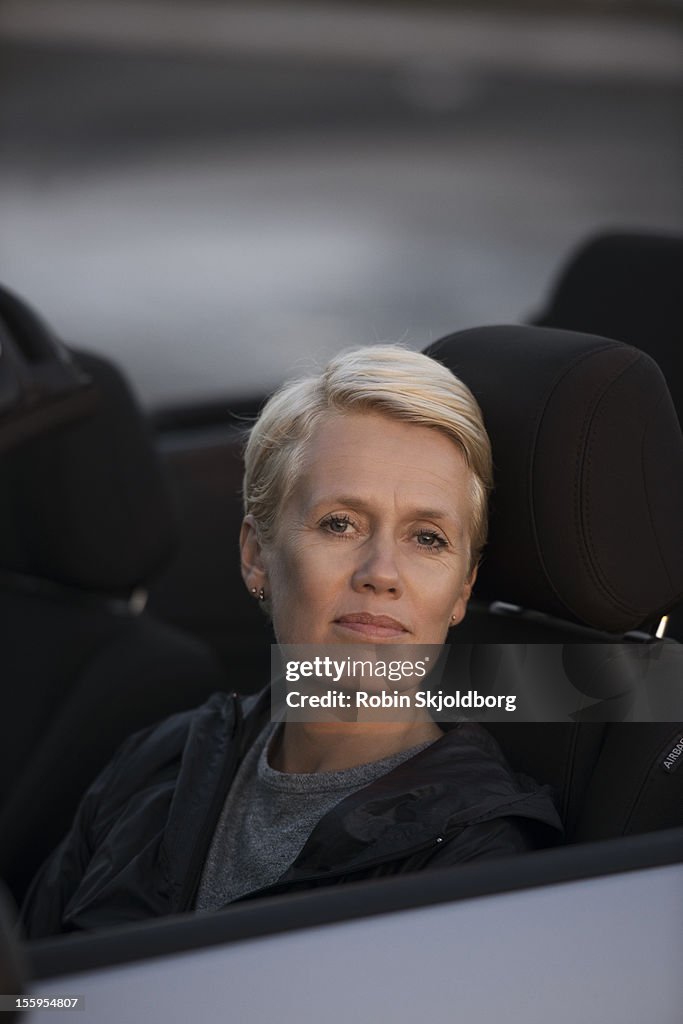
(88,505)
(588,457)
(626,286)
(41,387)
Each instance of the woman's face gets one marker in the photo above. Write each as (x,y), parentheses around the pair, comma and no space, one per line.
(373,543)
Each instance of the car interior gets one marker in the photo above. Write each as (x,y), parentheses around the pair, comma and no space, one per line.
(122,602)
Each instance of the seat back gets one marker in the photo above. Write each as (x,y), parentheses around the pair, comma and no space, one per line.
(584,547)
(86,519)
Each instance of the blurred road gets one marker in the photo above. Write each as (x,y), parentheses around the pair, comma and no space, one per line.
(216,205)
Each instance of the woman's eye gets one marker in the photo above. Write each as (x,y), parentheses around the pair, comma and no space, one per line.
(336,524)
(430,540)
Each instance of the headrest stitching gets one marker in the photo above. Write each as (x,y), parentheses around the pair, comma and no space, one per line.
(543,405)
(663,397)
(596,410)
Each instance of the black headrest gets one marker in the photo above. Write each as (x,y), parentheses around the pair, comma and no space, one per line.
(41,387)
(627,286)
(88,505)
(588,456)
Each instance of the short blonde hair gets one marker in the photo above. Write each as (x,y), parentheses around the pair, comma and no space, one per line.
(387,379)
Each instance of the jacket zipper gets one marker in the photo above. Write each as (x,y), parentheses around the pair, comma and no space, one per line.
(191,880)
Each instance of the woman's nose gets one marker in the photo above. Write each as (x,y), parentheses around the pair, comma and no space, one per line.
(377,569)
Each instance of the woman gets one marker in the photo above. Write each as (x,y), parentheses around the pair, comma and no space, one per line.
(365,516)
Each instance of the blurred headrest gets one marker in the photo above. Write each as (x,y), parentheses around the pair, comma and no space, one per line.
(627,286)
(41,386)
(88,505)
(588,460)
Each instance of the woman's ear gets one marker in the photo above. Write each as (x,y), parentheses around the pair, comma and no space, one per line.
(460,606)
(471,580)
(254,572)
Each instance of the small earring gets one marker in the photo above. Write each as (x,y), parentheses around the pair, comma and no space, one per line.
(253,590)
(261,594)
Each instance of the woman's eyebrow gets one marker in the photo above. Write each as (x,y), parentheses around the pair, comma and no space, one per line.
(441,515)
(348,500)
(434,513)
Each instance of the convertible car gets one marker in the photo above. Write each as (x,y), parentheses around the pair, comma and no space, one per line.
(121,602)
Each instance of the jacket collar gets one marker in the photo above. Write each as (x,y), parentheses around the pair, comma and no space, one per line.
(461,779)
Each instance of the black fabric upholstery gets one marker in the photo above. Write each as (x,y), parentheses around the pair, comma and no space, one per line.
(88,505)
(609,779)
(631,790)
(86,517)
(627,286)
(563,757)
(585,544)
(208,479)
(588,453)
(486,622)
(79,678)
(41,386)
(558,755)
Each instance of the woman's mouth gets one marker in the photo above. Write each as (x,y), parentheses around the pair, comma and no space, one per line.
(380,627)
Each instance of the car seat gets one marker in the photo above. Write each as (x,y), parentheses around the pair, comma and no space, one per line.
(86,519)
(584,547)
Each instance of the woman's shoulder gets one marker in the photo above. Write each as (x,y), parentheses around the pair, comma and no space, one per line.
(174,731)
(159,749)
(475,782)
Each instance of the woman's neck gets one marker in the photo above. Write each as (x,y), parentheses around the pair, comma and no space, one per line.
(305,747)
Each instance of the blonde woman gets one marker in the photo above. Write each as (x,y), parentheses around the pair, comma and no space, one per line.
(365,495)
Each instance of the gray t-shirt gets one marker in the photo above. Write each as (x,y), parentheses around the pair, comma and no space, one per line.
(268,816)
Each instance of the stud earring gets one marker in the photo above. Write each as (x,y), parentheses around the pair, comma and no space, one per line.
(261,594)
(253,590)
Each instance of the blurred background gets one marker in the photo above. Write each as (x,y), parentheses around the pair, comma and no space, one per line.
(213,193)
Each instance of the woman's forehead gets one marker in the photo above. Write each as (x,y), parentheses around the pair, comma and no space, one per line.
(361,457)
(346,436)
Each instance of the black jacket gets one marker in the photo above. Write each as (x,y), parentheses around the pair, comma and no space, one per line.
(141,834)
